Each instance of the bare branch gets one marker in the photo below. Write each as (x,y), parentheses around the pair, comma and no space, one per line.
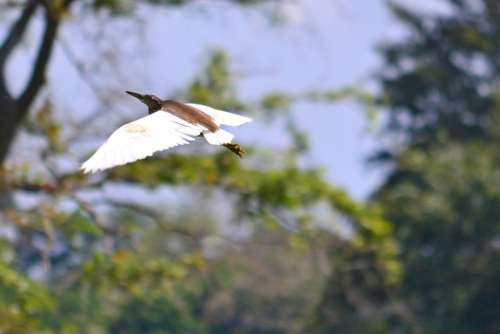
(14,37)
(37,78)
(17,31)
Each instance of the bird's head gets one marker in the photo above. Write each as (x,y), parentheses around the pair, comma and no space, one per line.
(153,102)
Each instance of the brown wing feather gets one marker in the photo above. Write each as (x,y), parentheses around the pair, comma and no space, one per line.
(189,114)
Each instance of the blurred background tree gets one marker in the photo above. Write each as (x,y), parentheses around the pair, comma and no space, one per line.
(439,86)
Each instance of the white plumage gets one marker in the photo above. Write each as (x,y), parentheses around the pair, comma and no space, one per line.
(219,137)
(156,132)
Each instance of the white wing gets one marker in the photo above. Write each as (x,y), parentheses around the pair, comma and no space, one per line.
(221,117)
(140,139)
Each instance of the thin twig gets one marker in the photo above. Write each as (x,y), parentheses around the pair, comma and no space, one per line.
(80,68)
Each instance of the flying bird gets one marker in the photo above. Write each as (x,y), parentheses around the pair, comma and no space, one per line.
(169,123)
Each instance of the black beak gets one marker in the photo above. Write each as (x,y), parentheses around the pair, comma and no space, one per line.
(136,95)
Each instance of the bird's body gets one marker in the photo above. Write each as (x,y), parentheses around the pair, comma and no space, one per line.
(169,123)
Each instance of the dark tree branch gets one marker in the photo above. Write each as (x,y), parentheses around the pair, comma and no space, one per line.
(14,110)
(13,38)
(37,78)
(17,30)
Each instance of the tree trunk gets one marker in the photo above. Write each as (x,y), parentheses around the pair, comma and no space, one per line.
(7,134)
(8,126)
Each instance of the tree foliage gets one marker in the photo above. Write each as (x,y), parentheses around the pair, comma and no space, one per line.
(441,196)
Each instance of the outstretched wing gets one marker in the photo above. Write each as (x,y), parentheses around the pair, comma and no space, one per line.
(140,139)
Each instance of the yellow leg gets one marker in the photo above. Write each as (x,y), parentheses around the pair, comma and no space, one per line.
(235,148)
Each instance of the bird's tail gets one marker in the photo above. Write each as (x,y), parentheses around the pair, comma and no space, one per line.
(218,137)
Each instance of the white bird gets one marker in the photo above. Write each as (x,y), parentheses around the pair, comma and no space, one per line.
(169,123)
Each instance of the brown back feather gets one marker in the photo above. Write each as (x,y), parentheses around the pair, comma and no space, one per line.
(189,114)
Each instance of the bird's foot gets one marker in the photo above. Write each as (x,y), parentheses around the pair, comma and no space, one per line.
(235,148)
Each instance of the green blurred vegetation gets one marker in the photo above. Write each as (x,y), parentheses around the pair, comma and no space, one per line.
(439,86)
(421,256)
